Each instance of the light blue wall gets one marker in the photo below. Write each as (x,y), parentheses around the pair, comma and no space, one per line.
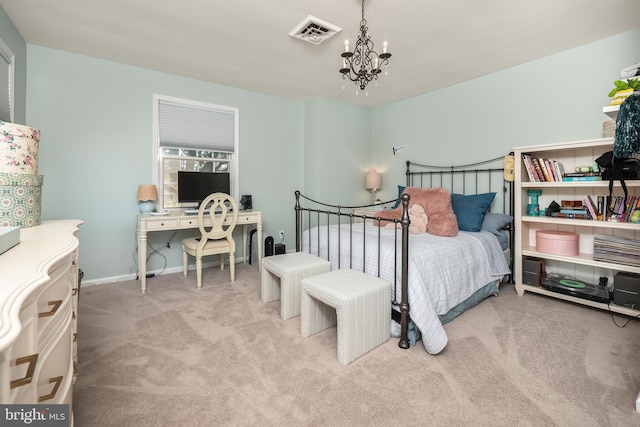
(557,98)
(338,151)
(95,117)
(96,123)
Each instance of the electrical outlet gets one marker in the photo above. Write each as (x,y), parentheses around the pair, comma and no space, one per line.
(281,234)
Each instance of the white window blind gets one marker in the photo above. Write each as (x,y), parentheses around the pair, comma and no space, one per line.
(188,126)
(6,83)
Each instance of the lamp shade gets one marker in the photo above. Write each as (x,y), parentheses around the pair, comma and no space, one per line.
(373,180)
(147,192)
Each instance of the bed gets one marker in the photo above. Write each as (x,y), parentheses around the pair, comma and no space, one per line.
(435,278)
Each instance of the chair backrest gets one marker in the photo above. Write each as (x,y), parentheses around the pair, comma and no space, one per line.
(218,205)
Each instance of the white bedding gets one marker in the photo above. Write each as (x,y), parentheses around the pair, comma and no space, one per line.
(443,271)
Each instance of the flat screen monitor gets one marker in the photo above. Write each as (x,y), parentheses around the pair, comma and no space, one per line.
(196,186)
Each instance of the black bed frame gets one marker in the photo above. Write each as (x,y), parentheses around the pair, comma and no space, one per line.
(461,179)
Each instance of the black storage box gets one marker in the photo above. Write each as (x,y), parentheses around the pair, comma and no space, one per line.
(626,289)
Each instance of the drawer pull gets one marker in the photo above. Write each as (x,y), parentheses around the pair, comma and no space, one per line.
(56,305)
(74,291)
(75,337)
(31,360)
(57,381)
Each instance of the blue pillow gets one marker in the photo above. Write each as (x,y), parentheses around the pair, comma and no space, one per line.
(496,223)
(400,191)
(470,209)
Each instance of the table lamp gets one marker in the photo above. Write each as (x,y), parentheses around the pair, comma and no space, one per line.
(147,196)
(373,183)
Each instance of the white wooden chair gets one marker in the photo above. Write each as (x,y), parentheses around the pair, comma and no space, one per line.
(214,239)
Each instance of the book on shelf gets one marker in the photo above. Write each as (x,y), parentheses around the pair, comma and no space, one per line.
(571,215)
(559,168)
(600,206)
(615,206)
(631,202)
(528,165)
(581,178)
(634,216)
(545,172)
(591,207)
(552,173)
(574,211)
(572,174)
(538,169)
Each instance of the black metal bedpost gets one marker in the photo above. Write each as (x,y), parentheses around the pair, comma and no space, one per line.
(408,173)
(404,302)
(298,222)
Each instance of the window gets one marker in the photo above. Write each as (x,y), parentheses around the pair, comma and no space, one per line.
(7,60)
(192,136)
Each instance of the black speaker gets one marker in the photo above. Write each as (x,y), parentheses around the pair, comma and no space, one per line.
(268,246)
(245,202)
(533,271)
(626,289)
(280,248)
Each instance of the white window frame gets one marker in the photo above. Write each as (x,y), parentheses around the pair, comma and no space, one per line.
(7,57)
(158,153)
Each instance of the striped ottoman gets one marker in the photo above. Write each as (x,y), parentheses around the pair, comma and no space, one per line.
(358,303)
(281,276)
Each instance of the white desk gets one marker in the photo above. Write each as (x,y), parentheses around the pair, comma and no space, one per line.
(181,221)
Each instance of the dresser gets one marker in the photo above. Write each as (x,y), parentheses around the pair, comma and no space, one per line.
(38,315)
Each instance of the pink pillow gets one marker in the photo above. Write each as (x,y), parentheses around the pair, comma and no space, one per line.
(436,203)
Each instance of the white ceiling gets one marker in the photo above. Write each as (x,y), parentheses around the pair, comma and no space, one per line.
(245,43)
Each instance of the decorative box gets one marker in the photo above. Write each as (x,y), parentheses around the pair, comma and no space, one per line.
(18,148)
(20,197)
(9,237)
(557,242)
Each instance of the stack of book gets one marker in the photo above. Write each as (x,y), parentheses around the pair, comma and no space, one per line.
(573,209)
(582,176)
(542,170)
(618,250)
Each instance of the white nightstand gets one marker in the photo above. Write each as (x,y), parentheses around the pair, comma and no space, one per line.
(369,211)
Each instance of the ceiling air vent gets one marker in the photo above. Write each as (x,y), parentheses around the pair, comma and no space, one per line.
(314,30)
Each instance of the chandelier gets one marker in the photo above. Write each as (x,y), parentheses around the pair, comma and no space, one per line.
(363,64)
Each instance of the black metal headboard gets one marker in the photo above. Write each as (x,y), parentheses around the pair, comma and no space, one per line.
(482,177)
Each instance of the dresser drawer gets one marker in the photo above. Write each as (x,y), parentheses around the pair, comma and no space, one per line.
(168,224)
(53,304)
(55,370)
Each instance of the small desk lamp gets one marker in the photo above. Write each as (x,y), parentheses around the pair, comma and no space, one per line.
(147,196)
(373,183)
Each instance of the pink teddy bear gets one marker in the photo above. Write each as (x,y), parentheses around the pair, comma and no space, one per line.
(418,218)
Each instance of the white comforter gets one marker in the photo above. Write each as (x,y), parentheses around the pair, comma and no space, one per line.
(443,271)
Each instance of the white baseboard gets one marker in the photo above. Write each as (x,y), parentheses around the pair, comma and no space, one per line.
(128,277)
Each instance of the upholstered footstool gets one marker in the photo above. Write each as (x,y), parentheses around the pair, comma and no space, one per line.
(359,303)
(281,276)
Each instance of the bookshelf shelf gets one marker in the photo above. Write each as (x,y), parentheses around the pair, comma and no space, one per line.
(582,267)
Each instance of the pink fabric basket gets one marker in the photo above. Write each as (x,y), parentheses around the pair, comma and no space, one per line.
(557,242)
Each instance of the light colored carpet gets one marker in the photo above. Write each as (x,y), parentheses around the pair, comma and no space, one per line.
(179,356)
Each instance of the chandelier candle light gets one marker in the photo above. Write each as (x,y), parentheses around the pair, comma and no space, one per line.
(363,64)
(373,183)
